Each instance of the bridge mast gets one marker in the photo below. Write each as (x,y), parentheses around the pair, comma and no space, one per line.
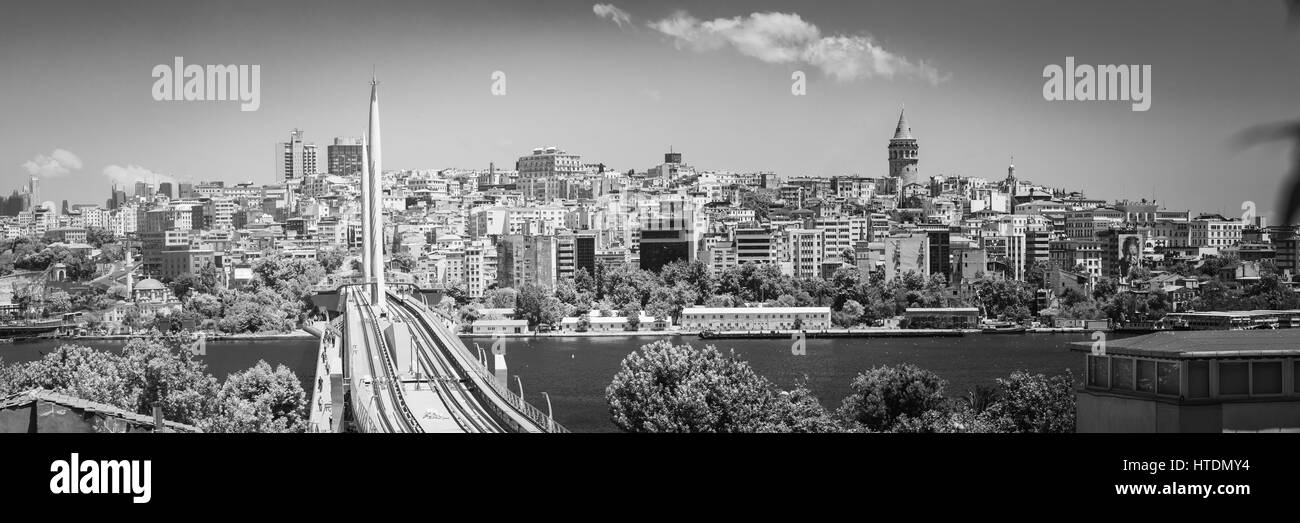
(375,232)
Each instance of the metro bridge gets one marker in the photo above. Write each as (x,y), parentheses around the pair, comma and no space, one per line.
(397,366)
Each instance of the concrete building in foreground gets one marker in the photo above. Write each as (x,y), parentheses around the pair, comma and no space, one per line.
(1193,381)
(755,318)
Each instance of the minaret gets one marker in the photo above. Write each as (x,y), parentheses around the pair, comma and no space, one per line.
(129,275)
(375,234)
(903,154)
(1011,183)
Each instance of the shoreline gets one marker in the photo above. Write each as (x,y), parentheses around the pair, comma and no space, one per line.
(296,335)
(833,333)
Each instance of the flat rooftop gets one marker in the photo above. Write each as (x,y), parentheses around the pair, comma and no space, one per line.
(1205,344)
(1235,314)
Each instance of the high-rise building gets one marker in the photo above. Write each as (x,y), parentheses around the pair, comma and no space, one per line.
(807,251)
(344,157)
(166,189)
(670,235)
(34,191)
(903,155)
(754,245)
(526,259)
(907,253)
(294,158)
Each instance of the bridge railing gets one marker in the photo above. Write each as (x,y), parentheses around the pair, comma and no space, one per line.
(548,423)
(533,413)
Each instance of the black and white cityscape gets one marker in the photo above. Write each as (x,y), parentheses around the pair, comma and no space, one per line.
(681,217)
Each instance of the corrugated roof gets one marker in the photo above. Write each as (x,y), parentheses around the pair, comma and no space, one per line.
(73,402)
(1205,344)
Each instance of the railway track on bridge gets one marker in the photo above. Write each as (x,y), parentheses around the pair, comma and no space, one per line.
(398,417)
(460,402)
(519,416)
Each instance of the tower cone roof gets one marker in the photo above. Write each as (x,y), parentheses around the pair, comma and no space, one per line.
(904,130)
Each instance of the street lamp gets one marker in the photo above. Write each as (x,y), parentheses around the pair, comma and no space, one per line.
(521,387)
(550,419)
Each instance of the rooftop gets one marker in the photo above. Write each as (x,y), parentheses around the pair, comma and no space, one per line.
(756,310)
(87,406)
(1205,344)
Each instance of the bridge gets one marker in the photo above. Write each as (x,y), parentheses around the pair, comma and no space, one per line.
(390,363)
(396,365)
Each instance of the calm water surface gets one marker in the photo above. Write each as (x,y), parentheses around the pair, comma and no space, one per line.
(575,371)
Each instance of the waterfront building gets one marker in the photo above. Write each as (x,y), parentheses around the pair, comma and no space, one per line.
(1181,381)
(500,327)
(942,317)
(755,318)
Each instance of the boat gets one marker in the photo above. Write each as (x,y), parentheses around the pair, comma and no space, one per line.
(1003,327)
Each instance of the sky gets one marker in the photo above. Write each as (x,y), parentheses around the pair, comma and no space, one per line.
(622,82)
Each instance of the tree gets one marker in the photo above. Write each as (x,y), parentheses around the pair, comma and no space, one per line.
(457,292)
(112,252)
(98,236)
(503,298)
(260,400)
(148,373)
(1104,289)
(584,282)
(584,323)
(58,302)
(403,261)
(181,285)
(1034,403)
(849,314)
(331,260)
(884,395)
(800,411)
(537,306)
(666,388)
(633,314)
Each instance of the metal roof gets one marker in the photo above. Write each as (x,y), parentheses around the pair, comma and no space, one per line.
(73,402)
(1205,344)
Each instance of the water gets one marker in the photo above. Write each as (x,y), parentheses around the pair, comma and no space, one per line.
(575,371)
(223,358)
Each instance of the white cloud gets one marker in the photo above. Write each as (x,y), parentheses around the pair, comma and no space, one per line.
(127,176)
(612,12)
(56,164)
(785,38)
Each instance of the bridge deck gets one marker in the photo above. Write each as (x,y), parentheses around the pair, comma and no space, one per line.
(429,409)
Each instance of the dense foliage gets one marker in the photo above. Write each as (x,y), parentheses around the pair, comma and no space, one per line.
(667,388)
(149,372)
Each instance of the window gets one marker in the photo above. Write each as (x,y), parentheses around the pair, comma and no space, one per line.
(1121,376)
(1295,385)
(1234,379)
(1167,378)
(1098,375)
(1146,376)
(1266,377)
